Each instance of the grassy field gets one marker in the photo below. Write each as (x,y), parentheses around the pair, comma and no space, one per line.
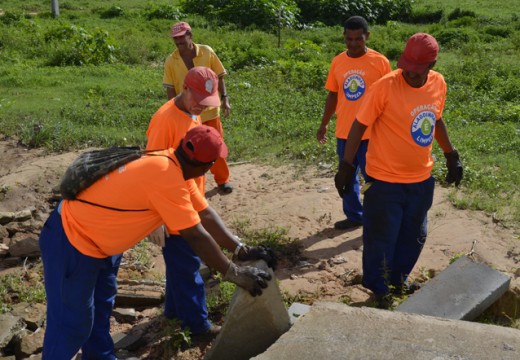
(90,78)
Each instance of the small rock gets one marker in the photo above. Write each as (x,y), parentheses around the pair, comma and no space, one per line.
(6,217)
(4,250)
(336,260)
(323,265)
(124,315)
(24,214)
(303,264)
(294,276)
(323,189)
(25,245)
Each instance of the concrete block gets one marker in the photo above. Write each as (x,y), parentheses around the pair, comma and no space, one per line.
(296,310)
(337,331)
(252,323)
(464,290)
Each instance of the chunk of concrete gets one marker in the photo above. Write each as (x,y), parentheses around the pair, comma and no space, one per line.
(9,326)
(252,323)
(338,331)
(296,310)
(464,290)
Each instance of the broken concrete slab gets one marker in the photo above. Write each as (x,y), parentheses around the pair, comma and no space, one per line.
(252,324)
(296,310)
(9,326)
(462,291)
(338,331)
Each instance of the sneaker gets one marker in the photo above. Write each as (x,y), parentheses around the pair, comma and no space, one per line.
(346,224)
(226,188)
(384,302)
(207,335)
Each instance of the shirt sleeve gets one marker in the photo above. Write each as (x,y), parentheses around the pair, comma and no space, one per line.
(216,64)
(331,83)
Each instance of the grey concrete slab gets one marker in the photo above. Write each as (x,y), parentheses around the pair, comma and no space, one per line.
(297,310)
(462,291)
(252,324)
(336,331)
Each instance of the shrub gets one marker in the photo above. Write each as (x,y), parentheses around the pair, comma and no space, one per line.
(112,12)
(425,16)
(162,11)
(458,13)
(454,38)
(11,18)
(73,45)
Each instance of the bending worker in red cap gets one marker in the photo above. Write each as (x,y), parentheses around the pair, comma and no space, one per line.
(81,241)
(404,111)
(185,293)
(188,55)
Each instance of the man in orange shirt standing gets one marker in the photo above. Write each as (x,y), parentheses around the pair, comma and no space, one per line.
(404,111)
(351,74)
(186,56)
(82,240)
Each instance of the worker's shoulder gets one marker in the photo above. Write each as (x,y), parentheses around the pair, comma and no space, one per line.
(205,48)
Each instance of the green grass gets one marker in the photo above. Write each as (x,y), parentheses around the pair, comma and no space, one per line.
(276,93)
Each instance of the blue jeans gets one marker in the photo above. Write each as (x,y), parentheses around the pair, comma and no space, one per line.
(185,292)
(352,206)
(80,295)
(394,231)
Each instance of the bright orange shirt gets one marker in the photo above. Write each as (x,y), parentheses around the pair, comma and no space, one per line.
(403,127)
(175,71)
(152,183)
(351,78)
(166,130)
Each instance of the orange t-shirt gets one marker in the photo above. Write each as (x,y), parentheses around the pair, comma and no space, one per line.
(351,78)
(166,130)
(403,126)
(153,183)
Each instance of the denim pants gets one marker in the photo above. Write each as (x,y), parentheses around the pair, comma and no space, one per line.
(80,295)
(185,292)
(352,206)
(394,231)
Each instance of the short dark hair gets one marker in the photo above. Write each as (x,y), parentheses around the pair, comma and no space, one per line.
(356,23)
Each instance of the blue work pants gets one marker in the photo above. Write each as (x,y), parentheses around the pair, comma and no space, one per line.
(352,206)
(394,231)
(80,295)
(185,292)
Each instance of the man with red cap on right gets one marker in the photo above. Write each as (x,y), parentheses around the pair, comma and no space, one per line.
(404,110)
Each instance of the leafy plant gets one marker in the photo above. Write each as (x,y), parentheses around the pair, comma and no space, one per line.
(112,12)
(21,286)
(175,336)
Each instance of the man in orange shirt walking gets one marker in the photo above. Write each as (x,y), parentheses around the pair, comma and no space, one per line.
(404,111)
(351,74)
(186,56)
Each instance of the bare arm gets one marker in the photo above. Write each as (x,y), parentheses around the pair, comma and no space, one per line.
(225,99)
(206,248)
(328,111)
(441,135)
(354,139)
(170,92)
(215,226)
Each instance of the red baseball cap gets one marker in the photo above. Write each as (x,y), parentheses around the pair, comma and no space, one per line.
(180,28)
(420,51)
(204,144)
(203,83)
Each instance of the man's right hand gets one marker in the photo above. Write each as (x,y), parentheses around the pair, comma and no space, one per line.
(321,135)
(249,278)
(344,179)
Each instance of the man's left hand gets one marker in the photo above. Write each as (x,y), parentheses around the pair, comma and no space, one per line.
(257,253)
(344,179)
(226,107)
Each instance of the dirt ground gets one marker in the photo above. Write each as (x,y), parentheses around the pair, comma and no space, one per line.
(304,201)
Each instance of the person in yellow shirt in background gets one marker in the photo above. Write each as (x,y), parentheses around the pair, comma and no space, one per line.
(404,112)
(186,56)
(351,74)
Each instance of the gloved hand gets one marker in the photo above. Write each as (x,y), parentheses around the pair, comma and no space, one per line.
(158,236)
(247,277)
(454,166)
(257,252)
(344,179)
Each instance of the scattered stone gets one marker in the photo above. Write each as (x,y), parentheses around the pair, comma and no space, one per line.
(11,262)
(133,339)
(30,344)
(296,310)
(9,326)
(140,295)
(4,250)
(294,277)
(33,314)
(124,315)
(337,260)
(303,264)
(255,321)
(323,265)
(23,214)
(323,189)
(3,232)
(6,217)
(24,245)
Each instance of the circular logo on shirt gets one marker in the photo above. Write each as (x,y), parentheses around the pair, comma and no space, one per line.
(354,87)
(422,128)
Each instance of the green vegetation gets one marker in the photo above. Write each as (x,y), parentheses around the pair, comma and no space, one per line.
(92,77)
(21,286)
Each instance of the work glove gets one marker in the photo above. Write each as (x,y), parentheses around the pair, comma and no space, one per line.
(454,166)
(256,253)
(248,278)
(344,179)
(158,236)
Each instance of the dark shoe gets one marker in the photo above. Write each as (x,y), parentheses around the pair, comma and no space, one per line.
(207,335)
(346,224)
(407,289)
(226,188)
